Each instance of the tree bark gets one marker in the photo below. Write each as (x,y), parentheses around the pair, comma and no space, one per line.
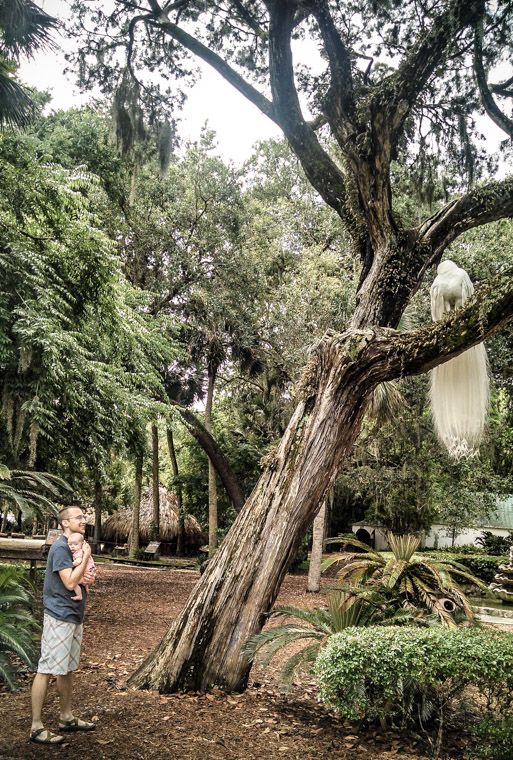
(212,484)
(155,520)
(134,531)
(98,498)
(314,571)
(202,649)
(177,489)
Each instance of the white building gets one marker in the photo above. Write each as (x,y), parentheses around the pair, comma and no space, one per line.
(500,523)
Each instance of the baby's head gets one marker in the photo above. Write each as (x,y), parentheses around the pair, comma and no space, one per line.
(75,540)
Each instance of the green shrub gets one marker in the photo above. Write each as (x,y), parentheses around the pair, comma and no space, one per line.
(494,544)
(494,739)
(398,674)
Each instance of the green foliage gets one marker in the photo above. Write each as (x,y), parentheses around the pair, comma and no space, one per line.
(417,580)
(482,566)
(493,544)
(25,490)
(17,624)
(494,739)
(343,611)
(80,354)
(404,675)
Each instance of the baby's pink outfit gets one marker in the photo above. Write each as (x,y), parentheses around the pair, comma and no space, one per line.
(77,559)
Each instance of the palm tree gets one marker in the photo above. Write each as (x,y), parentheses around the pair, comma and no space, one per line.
(344,611)
(22,489)
(417,581)
(24,29)
(16,624)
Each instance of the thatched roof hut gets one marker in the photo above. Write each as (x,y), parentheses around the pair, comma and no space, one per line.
(117,527)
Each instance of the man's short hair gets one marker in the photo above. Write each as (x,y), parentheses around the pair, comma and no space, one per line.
(64,514)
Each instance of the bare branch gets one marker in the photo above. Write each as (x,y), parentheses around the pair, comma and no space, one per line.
(320,169)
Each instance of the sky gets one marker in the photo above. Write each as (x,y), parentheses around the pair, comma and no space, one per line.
(210,98)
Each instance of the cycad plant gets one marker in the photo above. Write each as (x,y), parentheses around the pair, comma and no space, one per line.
(419,582)
(17,624)
(343,611)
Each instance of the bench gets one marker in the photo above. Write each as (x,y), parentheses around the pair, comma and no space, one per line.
(152,551)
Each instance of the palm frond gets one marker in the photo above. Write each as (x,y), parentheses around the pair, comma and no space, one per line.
(298,661)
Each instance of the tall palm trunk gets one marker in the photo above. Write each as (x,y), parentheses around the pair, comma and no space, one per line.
(212,484)
(98,498)
(134,532)
(177,489)
(314,571)
(155,520)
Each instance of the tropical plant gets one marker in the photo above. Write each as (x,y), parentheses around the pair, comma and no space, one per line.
(17,624)
(419,581)
(343,611)
(24,29)
(495,544)
(24,489)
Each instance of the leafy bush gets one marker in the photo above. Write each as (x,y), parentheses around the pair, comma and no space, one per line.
(406,675)
(494,544)
(16,623)
(483,566)
(495,739)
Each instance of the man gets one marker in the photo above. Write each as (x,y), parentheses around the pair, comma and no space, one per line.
(62,629)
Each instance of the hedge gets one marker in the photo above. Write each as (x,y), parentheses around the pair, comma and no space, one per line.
(392,673)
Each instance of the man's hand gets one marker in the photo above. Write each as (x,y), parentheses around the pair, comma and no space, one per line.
(89,578)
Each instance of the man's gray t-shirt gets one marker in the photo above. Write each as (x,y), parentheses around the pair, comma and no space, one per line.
(56,597)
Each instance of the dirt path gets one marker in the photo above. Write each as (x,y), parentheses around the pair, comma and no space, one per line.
(128,613)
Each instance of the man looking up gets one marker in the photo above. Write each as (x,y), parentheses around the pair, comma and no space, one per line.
(62,629)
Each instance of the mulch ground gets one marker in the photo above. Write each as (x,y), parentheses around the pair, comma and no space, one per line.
(129,611)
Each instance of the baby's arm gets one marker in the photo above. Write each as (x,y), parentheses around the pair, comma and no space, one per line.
(77,557)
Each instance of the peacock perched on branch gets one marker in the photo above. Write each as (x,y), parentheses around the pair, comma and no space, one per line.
(460,388)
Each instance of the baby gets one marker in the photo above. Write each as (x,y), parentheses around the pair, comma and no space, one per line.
(75,541)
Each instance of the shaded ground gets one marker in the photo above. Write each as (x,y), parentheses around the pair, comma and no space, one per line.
(128,613)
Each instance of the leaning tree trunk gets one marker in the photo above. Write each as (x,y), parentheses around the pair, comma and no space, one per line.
(212,483)
(134,531)
(314,571)
(177,488)
(155,520)
(203,647)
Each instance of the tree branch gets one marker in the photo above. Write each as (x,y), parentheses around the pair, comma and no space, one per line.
(321,170)
(216,456)
(425,57)
(162,22)
(339,102)
(487,99)
(485,313)
(481,205)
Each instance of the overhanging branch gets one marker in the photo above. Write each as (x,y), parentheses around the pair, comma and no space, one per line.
(481,205)
(402,354)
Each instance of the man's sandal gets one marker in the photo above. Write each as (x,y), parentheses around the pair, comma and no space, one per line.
(76,724)
(44,736)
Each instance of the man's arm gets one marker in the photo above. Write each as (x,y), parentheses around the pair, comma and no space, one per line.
(71,576)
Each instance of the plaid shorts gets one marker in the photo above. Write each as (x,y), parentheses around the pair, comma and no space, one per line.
(60,646)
